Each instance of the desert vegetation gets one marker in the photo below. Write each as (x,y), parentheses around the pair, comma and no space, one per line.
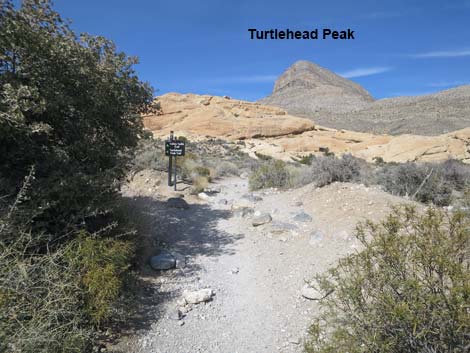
(406,291)
(69,122)
(205,161)
(438,183)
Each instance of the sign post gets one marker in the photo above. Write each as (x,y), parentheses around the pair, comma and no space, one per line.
(173,148)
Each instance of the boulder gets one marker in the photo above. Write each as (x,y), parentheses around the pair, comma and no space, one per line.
(162,261)
(198,296)
(261,219)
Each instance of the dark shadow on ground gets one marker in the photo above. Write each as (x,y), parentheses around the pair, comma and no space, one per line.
(191,232)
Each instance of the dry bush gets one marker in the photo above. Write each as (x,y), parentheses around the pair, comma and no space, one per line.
(408,290)
(428,182)
(325,170)
(271,174)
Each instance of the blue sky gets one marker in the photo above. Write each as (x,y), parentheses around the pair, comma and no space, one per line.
(401,47)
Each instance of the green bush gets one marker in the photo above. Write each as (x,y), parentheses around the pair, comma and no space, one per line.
(408,290)
(70,119)
(271,174)
(101,263)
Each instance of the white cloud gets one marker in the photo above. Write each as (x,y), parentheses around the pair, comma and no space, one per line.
(366,71)
(444,54)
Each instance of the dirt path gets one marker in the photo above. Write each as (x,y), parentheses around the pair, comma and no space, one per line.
(256,273)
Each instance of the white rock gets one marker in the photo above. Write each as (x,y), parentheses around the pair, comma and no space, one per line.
(199,296)
(244,175)
(310,293)
(203,196)
(261,219)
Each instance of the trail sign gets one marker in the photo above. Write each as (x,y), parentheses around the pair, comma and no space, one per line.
(174,148)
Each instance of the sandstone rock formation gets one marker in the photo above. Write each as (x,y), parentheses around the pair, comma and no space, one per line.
(306,88)
(270,131)
(211,116)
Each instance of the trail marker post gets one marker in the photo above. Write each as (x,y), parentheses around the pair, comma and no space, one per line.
(173,148)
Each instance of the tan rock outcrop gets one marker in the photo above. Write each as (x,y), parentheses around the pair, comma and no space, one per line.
(211,116)
(269,130)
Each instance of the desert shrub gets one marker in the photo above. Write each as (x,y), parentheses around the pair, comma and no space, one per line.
(429,182)
(149,155)
(200,183)
(226,168)
(305,159)
(101,263)
(271,174)
(262,156)
(52,298)
(408,290)
(326,170)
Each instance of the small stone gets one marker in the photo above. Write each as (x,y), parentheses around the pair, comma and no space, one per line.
(243,212)
(282,227)
(315,237)
(234,270)
(223,202)
(261,219)
(252,198)
(294,341)
(162,261)
(175,315)
(214,189)
(181,322)
(244,175)
(180,260)
(310,292)
(181,302)
(199,296)
(177,202)
(302,217)
(203,196)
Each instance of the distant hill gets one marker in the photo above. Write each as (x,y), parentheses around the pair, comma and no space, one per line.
(308,90)
(432,114)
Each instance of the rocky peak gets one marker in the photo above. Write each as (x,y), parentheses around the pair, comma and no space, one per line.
(306,88)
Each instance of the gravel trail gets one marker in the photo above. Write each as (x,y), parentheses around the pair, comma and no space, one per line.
(256,273)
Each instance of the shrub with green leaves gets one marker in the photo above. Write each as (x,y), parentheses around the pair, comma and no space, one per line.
(408,290)
(70,118)
(271,174)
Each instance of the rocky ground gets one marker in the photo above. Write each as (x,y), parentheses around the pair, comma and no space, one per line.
(241,260)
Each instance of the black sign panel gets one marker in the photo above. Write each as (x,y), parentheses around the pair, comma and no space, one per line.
(174,148)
